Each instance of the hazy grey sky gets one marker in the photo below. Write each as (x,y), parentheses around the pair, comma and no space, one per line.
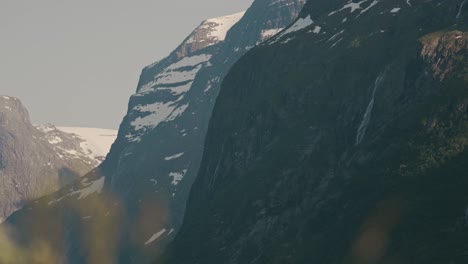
(76,62)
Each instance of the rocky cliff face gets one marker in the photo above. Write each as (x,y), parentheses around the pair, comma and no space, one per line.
(341,140)
(155,159)
(34,162)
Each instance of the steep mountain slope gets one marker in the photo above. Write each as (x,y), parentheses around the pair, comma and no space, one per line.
(154,161)
(34,162)
(341,140)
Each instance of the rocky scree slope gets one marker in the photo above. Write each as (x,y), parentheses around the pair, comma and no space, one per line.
(151,166)
(340,140)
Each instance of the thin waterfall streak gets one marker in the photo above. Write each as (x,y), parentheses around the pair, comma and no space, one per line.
(368,114)
(460,10)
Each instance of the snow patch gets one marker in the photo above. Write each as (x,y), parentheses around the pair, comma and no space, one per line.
(178,89)
(55,140)
(177,112)
(369,7)
(93,187)
(158,113)
(189,61)
(300,24)
(176,77)
(268,33)
(317,30)
(177,177)
(90,188)
(46,128)
(155,236)
(352,6)
(96,141)
(211,83)
(176,156)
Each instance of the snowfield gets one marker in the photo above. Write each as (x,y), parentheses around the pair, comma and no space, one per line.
(97,141)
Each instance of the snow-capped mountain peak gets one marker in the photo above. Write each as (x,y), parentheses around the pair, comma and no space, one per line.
(219,26)
(96,141)
(208,33)
(160,98)
(89,144)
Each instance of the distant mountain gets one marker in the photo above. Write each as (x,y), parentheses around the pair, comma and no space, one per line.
(342,139)
(155,159)
(35,161)
(91,144)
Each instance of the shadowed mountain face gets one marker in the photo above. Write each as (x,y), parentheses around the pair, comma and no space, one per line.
(31,165)
(340,140)
(134,204)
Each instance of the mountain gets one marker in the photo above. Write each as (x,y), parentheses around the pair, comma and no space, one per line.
(161,139)
(129,208)
(340,140)
(160,144)
(95,142)
(88,144)
(35,161)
